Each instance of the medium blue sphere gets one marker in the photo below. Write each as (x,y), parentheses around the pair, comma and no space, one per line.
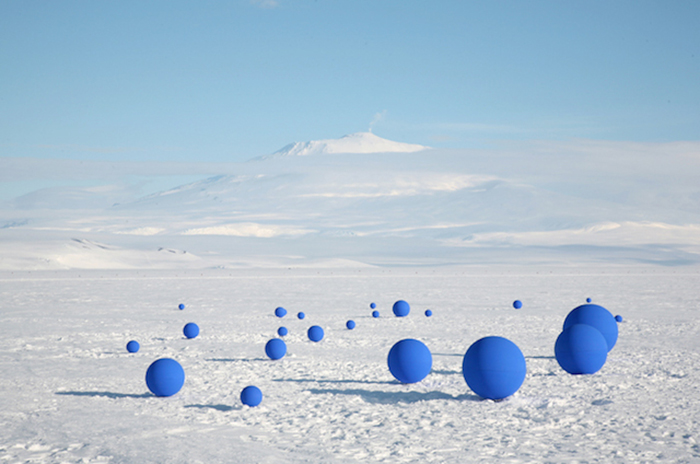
(301,315)
(251,396)
(372,305)
(596,316)
(165,377)
(350,324)
(494,367)
(181,306)
(428,313)
(282,331)
(133,346)
(375,313)
(315,333)
(276,348)
(517,304)
(280,312)
(401,308)
(618,318)
(581,349)
(191,330)
(409,360)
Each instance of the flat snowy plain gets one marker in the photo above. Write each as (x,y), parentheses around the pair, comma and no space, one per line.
(70,392)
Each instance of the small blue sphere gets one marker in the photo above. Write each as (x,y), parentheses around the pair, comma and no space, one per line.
(409,361)
(372,305)
(191,330)
(494,367)
(596,316)
(618,318)
(315,333)
(588,300)
(401,308)
(375,313)
(276,348)
(280,312)
(301,315)
(581,349)
(428,313)
(350,324)
(517,304)
(181,306)
(251,396)
(282,331)
(165,377)
(133,346)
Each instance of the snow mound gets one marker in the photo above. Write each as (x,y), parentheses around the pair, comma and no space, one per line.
(359,142)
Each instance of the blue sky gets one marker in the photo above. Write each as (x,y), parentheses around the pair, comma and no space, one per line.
(222,81)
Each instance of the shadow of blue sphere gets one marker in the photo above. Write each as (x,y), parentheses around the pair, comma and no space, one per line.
(191,330)
(350,324)
(276,348)
(133,346)
(282,331)
(409,360)
(597,317)
(280,312)
(165,377)
(494,367)
(315,333)
(251,396)
(581,349)
(401,308)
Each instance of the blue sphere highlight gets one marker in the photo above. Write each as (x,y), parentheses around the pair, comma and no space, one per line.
(133,346)
(375,313)
(372,305)
(251,396)
(165,377)
(618,318)
(301,315)
(409,360)
(181,306)
(276,348)
(350,324)
(494,367)
(581,349)
(428,313)
(315,333)
(517,304)
(280,312)
(597,317)
(282,331)
(401,308)
(191,330)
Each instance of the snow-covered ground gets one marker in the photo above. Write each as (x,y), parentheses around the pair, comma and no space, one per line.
(70,392)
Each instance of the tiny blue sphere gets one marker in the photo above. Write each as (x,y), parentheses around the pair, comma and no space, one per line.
(301,315)
(581,349)
(494,367)
(251,396)
(181,306)
(428,313)
(409,361)
(401,308)
(276,348)
(375,313)
(596,316)
(165,377)
(517,304)
(133,346)
(350,324)
(315,333)
(191,330)
(588,300)
(372,305)
(282,331)
(618,318)
(280,312)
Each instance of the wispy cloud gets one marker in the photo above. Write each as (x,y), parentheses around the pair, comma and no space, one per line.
(376,118)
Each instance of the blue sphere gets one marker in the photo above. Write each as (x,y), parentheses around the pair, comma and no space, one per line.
(409,361)
(596,316)
(350,324)
(165,377)
(401,308)
(191,330)
(581,349)
(588,300)
(372,305)
(282,331)
(276,348)
(251,396)
(181,306)
(494,367)
(133,346)
(301,315)
(315,333)
(428,313)
(375,313)
(618,318)
(517,304)
(280,312)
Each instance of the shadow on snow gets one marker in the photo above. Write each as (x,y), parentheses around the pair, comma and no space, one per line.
(112,395)
(382,397)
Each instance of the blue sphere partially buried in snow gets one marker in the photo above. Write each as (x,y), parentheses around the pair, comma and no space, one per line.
(581,349)
(350,324)
(375,313)
(191,330)
(251,396)
(282,331)
(276,348)
(597,317)
(181,306)
(494,367)
(133,346)
(517,304)
(315,333)
(280,312)
(401,308)
(409,360)
(165,377)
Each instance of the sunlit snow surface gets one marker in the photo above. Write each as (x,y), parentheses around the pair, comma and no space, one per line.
(70,392)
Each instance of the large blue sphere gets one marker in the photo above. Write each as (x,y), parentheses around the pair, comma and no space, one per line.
(409,361)
(276,348)
(350,324)
(280,312)
(191,330)
(251,396)
(596,316)
(133,346)
(315,333)
(375,313)
(282,331)
(401,308)
(165,377)
(494,367)
(581,349)
(517,304)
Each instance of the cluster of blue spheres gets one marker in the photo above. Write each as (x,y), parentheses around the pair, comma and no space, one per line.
(191,330)
(494,367)
(133,346)
(165,377)
(251,396)
(589,333)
